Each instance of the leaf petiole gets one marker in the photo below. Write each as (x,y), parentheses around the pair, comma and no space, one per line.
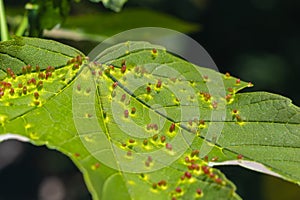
(23,25)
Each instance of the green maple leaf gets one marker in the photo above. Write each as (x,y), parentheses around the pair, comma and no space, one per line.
(143,121)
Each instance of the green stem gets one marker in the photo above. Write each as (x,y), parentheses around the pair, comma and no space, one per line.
(23,25)
(3,24)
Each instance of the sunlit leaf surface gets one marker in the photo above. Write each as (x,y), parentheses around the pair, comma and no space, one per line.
(141,123)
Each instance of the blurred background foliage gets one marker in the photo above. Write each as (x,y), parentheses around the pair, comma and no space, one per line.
(255,40)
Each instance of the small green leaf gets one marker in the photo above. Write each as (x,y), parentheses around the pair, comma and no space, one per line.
(45,14)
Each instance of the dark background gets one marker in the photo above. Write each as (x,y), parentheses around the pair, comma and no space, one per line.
(256,40)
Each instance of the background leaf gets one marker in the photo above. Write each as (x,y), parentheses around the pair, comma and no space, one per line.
(106,24)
